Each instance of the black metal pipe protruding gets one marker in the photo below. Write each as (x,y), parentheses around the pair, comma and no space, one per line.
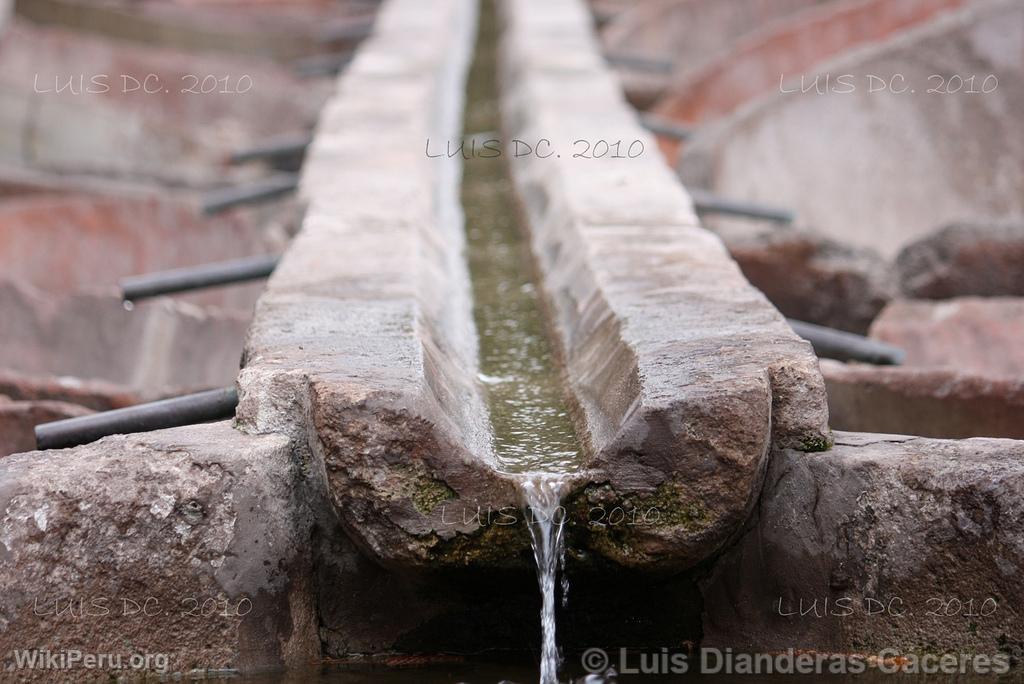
(322,65)
(846,346)
(707,203)
(134,288)
(260,191)
(665,127)
(275,148)
(217,404)
(639,63)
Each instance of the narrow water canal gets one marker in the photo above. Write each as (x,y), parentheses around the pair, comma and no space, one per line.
(532,428)
(533,431)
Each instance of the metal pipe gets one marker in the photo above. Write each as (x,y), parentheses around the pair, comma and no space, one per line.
(322,65)
(707,203)
(139,287)
(639,63)
(274,148)
(665,127)
(267,189)
(217,404)
(845,346)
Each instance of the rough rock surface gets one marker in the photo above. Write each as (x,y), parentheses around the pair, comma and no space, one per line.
(18,418)
(753,65)
(75,103)
(93,241)
(839,153)
(964,259)
(188,543)
(279,30)
(160,347)
(981,336)
(683,373)
(883,542)
(930,402)
(810,277)
(94,394)
(685,33)
(370,361)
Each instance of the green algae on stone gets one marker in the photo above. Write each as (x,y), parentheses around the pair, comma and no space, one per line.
(817,443)
(490,545)
(431,493)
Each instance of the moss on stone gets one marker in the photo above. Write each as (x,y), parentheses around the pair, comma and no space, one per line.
(429,493)
(817,443)
(490,545)
(674,510)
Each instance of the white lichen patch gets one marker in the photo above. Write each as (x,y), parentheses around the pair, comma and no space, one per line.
(162,507)
(40,517)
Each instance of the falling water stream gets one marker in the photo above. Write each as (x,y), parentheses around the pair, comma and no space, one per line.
(534,438)
(541,498)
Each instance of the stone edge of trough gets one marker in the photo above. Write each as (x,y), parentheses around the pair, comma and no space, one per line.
(363,347)
(684,375)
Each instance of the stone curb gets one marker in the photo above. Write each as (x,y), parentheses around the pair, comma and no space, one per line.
(684,373)
(363,346)
(188,543)
(882,543)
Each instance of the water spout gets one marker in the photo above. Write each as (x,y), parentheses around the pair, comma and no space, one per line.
(542,496)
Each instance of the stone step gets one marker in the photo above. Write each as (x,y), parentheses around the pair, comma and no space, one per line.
(781,52)
(282,30)
(687,33)
(160,348)
(196,532)
(94,241)
(139,112)
(18,418)
(885,542)
(880,167)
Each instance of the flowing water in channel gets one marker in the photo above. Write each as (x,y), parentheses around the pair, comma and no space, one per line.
(534,438)
(542,497)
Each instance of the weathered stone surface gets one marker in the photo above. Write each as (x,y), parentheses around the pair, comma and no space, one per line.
(18,418)
(783,51)
(683,373)
(17,181)
(97,395)
(895,542)
(685,33)
(93,241)
(841,159)
(964,259)
(282,29)
(370,360)
(160,347)
(930,402)
(974,335)
(190,543)
(74,103)
(810,277)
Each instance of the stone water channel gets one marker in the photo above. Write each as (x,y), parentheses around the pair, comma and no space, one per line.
(533,434)
(447,342)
